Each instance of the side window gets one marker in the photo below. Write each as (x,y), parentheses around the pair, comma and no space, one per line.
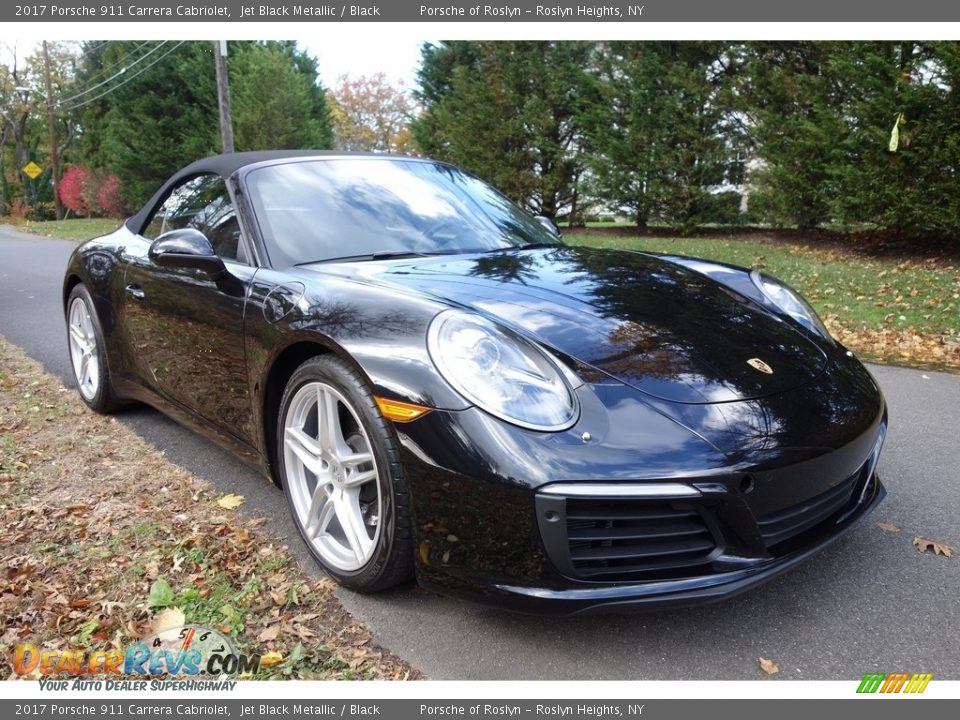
(202,203)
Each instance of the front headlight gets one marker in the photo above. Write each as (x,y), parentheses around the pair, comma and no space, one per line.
(501,372)
(789,301)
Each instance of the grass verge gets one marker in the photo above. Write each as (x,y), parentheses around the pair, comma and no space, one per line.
(73,229)
(102,538)
(897,310)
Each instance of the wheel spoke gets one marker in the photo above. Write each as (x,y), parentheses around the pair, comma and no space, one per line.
(85,322)
(351,521)
(330,431)
(306,449)
(353,460)
(359,478)
(84,372)
(321,512)
(78,337)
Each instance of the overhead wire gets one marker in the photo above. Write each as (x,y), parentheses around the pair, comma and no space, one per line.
(100,72)
(121,84)
(122,71)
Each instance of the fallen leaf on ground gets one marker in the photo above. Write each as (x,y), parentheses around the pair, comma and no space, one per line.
(110,605)
(168,618)
(269,634)
(768,666)
(270,659)
(935,546)
(888,527)
(231,502)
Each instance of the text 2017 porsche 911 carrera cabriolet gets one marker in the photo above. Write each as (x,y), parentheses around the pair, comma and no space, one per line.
(444,389)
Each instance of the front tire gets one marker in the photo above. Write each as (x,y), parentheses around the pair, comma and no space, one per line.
(88,355)
(339,464)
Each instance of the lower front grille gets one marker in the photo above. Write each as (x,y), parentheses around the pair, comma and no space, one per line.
(778,527)
(607,539)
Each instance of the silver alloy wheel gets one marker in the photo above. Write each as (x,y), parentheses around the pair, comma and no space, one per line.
(332,476)
(83,349)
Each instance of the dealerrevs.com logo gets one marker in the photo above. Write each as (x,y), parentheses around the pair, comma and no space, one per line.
(175,651)
(898,682)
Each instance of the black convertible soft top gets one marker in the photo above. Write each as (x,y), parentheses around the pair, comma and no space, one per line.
(226,165)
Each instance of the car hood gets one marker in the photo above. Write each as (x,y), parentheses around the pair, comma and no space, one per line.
(668,331)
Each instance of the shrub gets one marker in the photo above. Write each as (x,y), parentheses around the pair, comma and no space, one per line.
(91,192)
(73,192)
(109,198)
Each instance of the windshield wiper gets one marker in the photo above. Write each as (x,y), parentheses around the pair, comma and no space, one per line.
(379,255)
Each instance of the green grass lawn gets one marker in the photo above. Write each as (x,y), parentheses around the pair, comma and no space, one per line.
(863,293)
(73,229)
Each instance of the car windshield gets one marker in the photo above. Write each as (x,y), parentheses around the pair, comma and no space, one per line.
(370,208)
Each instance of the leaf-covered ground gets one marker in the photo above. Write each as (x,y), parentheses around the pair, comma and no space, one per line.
(897,308)
(102,539)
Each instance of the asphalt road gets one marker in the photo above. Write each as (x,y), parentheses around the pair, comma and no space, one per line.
(869,603)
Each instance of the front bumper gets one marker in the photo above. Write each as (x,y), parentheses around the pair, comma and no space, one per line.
(671,593)
(667,544)
(552,524)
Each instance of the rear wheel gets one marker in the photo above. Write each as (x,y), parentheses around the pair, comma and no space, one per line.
(88,356)
(340,468)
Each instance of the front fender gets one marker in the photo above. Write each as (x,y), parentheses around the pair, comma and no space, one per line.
(380,331)
(97,264)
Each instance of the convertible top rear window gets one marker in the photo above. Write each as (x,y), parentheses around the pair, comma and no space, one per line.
(321,210)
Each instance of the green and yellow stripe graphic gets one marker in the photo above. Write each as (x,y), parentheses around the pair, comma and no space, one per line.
(894,682)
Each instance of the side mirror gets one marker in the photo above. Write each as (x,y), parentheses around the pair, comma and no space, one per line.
(549,225)
(186,248)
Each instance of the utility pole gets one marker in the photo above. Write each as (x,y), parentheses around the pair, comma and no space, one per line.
(52,125)
(223,96)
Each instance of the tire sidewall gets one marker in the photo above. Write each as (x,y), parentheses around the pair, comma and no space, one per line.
(331,370)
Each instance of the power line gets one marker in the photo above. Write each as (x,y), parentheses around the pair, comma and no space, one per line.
(117,63)
(125,81)
(114,76)
(95,45)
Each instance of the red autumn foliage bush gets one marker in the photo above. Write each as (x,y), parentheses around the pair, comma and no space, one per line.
(72,190)
(108,197)
(91,192)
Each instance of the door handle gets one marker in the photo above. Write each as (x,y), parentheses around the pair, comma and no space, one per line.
(135,291)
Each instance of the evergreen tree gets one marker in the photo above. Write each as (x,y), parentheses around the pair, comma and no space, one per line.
(659,129)
(277,99)
(916,186)
(790,101)
(508,112)
(150,124)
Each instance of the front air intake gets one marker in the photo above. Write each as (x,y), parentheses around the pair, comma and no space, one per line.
(619,538)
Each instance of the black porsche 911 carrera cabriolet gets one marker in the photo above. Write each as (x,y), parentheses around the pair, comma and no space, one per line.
(443,388)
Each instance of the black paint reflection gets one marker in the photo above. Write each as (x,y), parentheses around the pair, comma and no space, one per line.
(669,331)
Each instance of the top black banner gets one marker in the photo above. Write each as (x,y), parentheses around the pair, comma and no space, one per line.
(640,11)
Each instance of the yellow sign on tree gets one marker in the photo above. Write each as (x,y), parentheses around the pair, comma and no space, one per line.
(32,170)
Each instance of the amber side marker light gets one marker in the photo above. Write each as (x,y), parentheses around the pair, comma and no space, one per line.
(400,411)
